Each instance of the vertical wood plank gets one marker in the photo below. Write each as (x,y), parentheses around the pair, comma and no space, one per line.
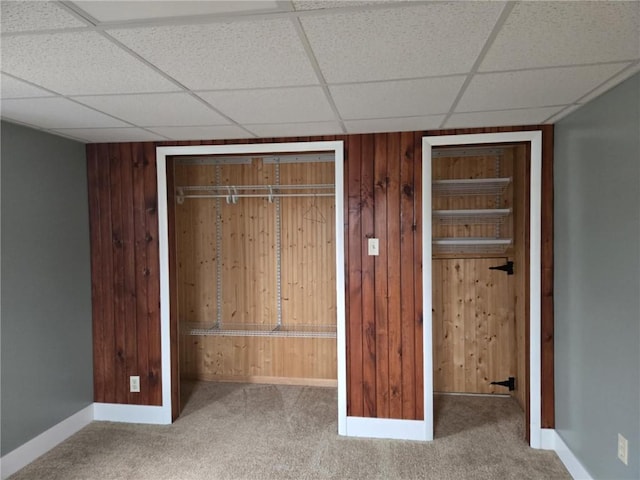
(120,380)
(407,279)
(153,275)
(440,350)
(107,267)
(417,263)
(470,326)
(141,270)
(394,275)
(128,256)
(369,357)
(381,185)
(355,405)
(357,362)
(456,297)
(483,340)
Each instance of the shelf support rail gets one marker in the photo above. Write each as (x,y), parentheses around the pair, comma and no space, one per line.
(498,195)
(278,250)
(218,254)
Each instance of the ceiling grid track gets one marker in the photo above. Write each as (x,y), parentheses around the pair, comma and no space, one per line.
(316,68)
(506,11)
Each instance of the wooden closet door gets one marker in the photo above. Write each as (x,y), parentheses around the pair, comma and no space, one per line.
(473,325)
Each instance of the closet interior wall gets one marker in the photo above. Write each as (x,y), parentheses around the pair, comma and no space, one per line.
(256,270)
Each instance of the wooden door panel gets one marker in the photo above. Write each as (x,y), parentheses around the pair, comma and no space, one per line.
(473,325)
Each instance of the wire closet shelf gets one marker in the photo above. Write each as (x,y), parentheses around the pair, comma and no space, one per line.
(231,193)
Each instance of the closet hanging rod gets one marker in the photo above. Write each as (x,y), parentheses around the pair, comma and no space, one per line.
(260,195)
(233,193)
(319,186)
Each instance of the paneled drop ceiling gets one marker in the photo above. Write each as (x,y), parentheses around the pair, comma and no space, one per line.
(100,71)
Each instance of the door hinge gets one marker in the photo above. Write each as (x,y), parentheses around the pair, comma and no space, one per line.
(511,383)
(507,267)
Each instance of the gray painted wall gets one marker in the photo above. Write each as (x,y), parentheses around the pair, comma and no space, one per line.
(47,372)
(597,280)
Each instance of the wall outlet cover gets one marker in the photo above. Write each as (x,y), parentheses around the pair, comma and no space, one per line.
(623,449)
(134,384)
(373,247)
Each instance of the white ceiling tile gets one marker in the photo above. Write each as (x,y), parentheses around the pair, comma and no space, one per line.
(417,41)
(104,11)
(295,129)
(533,88)
(22,16)
(201,132)
(282,105)
(621,77)
(161,109)
(55,112)
(14,88)
(541,34)
(109,135)
(322,4)
(78,63)
(531,116)
(242,54)
(406,124)
(401,98)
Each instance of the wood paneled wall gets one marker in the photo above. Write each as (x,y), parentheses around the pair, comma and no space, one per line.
(384,321)
(384,311)
(125,282)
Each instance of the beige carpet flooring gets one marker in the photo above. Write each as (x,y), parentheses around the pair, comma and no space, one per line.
(238,431)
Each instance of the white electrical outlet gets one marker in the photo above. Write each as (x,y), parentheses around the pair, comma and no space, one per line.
(623,449)
(134,384)
(373,247)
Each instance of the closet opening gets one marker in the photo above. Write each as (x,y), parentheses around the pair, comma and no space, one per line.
(482,324)
(253,266)
(480,295)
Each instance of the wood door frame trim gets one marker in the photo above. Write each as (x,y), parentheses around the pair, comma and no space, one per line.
(535,140)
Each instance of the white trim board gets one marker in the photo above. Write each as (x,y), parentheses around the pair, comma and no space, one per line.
(38,446)
(535,212)
(115,412)
(389,428)
(552,441)
(334,147)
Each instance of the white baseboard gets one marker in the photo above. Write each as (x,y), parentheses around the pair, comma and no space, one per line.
(547,440)
(576,469)
(28,452)
(386,428)
(113,412)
